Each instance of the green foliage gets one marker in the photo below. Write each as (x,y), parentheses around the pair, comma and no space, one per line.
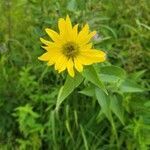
(106,107)
(91,75)
(68,88)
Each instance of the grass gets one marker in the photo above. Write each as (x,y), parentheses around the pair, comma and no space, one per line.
(85,120)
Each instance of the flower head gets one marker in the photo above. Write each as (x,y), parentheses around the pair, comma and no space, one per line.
(70,49)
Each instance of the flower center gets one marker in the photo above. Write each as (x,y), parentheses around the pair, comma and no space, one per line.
(70,49)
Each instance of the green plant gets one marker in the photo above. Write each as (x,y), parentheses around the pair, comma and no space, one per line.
(109,111)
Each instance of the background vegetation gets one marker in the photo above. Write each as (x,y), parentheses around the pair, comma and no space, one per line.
(87,119)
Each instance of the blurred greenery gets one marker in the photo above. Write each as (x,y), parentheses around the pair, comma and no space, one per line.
(89,118)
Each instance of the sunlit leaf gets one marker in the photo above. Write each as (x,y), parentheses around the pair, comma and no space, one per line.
(88,91)
(111,74)
(117,108)
(104,102)
(67,89)
(130,87)
(91,75)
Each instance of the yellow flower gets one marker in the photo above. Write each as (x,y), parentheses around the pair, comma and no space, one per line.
(70,50)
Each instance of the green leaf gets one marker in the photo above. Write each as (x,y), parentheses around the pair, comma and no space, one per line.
(112,74)
(84,138)
(130,87)
(91,75)
(88,91)
(104,102)
(67,89)
(117,108)
(137,75)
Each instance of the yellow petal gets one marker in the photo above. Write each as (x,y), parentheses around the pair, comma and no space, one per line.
(68,23)
(84,36)
(53,58)
(67,33)
(50,45)
(45,57)
(86,46)
(83,33)
(45,41)
(75,32)
(61,26)
(85,30)
(70,67)
(50,56)
(84,60)
(54,35)
(63,64)
(64,33)
(45,47)
(60,62)
(91,34)
(92,56)
(78,65)
(86,39)
(51,49)
(50,62)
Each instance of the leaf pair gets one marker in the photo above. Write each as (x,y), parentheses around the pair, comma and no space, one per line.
(89,74)
(109,104)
